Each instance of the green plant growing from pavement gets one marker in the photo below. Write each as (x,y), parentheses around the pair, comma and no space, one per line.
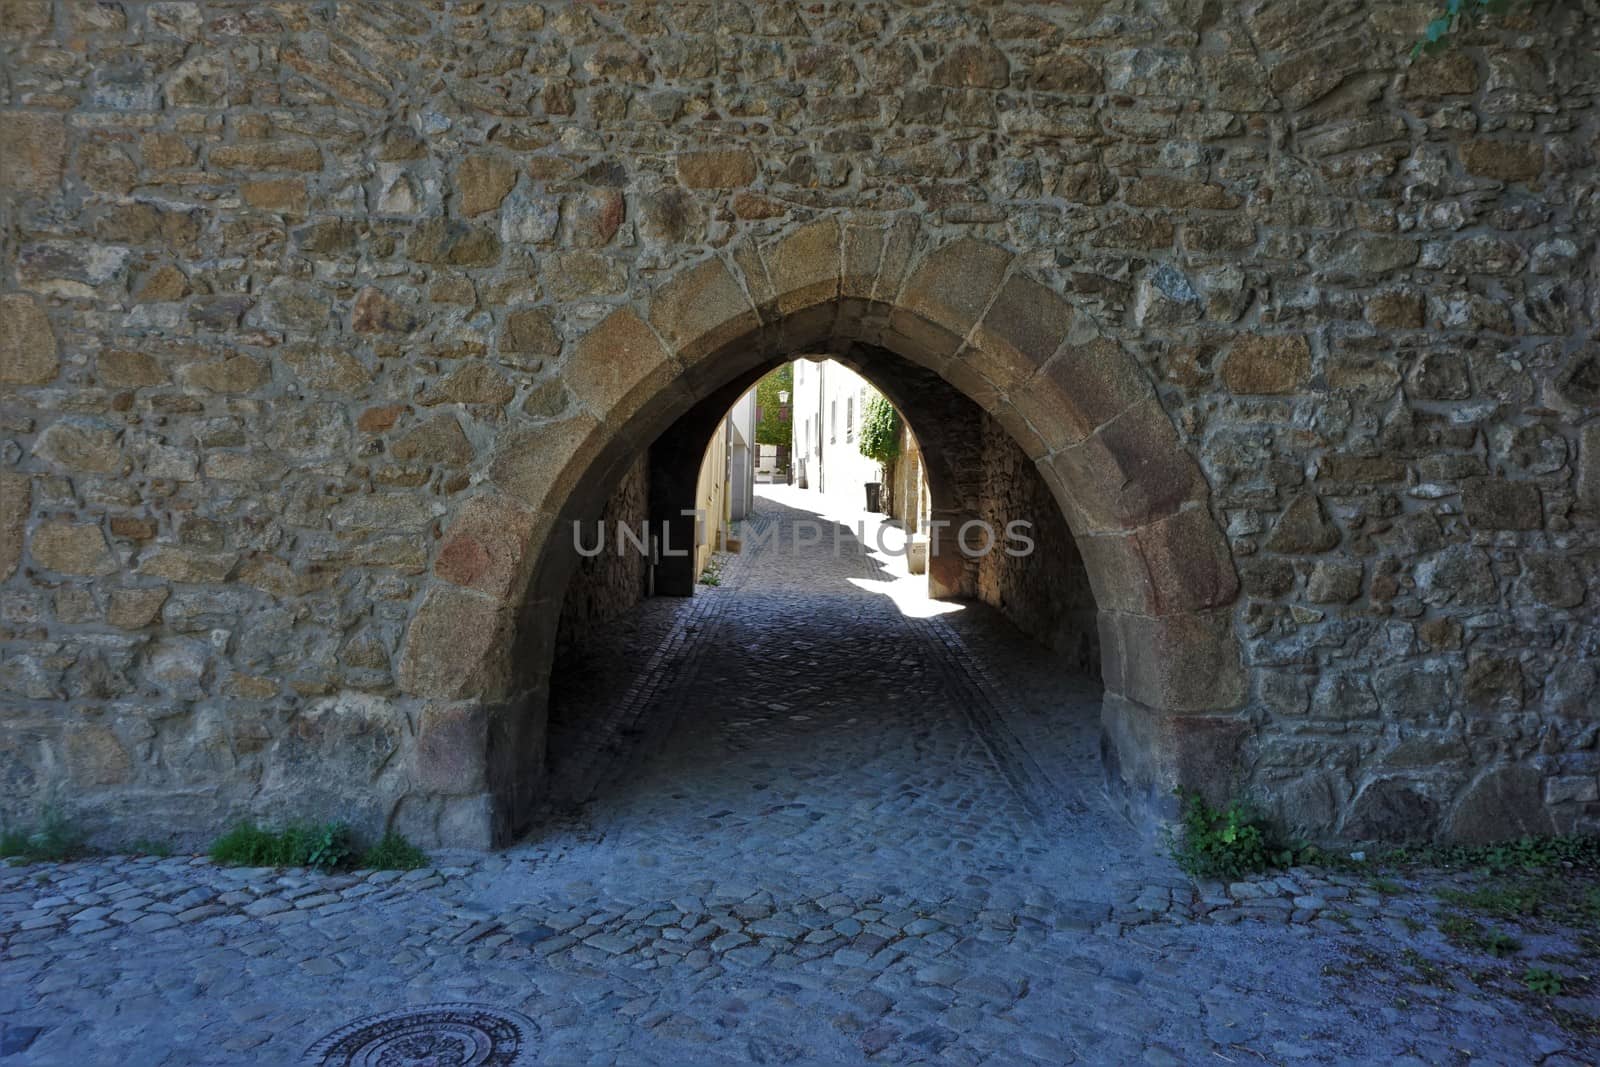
(1470,933)
(1228,842)
(52,839)
(1498,943)
(147,846)
(1525,854)
(248,845)
(1543,981)
(331,846)
(393,853)
(327,846)
(1530,878)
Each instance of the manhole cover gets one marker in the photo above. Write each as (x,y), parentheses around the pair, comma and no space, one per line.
(431,1035)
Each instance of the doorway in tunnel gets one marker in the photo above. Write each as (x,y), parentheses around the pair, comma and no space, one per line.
(851,520)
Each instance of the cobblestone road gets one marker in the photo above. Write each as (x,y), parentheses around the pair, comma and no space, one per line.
(822,821)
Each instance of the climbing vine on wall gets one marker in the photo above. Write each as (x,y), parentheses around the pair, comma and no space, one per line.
(1436,37)
(776,427)
(880,430)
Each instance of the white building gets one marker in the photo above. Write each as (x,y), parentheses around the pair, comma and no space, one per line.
(829,399)
(741,432)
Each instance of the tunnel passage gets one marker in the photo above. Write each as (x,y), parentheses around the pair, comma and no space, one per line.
(975,471)
(1078,406)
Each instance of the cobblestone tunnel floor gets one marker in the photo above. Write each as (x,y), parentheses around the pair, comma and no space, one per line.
(818,819)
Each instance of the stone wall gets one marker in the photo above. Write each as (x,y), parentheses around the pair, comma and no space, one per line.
(278,283)
(606,585)
(908,494)
(1045,592)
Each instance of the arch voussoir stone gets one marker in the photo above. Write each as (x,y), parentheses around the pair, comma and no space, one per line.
(875,261)
(486,549)
(1020,428)
(946,295)
(538,466)
(970,381)
(1130,471)
(703,314)
(1024,326)
(1080,389)
(801,274)
(1176,564)
(619,366)
(955,283)
(804,268)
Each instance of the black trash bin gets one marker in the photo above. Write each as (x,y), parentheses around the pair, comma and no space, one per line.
(874,496)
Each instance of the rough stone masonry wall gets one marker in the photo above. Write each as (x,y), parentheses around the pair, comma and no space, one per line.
(276,277)
(608,584)
(1044,593)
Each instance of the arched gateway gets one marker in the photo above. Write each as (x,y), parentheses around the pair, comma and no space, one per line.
(478,652)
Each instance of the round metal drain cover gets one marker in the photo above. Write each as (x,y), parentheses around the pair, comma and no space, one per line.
(430,1035)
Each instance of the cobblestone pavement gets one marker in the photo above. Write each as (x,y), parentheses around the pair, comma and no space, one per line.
(823,821)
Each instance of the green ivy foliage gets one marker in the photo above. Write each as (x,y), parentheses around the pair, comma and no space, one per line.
(776,426)
(1436,36)
(1229,843)
(880,430)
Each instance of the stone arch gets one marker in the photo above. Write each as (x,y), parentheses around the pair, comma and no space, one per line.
(477,652)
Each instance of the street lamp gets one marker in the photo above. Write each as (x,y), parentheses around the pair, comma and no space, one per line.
(783,400)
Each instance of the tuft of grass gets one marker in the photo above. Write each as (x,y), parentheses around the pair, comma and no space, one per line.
(1470,933)
(1425,969)
(147,846)
(53,839)
(325,846)
(1506,902)
(1498,943)
(1458,927)
(247,845)
(393,853)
